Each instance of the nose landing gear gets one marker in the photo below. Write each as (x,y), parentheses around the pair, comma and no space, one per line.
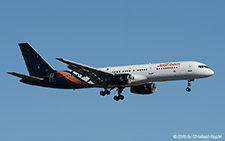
(188,89)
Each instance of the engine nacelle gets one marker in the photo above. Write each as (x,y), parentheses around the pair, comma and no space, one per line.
(144,89)
(120,79)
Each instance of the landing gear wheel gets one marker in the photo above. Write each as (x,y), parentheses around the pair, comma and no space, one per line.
(107,92)
(116,98)
(188,89)
(102,93)
(121,97)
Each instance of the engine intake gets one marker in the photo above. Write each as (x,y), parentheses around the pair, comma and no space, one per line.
(144,89)
(121,79)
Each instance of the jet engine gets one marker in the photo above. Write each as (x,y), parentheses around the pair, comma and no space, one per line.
(120,79)
(144,89)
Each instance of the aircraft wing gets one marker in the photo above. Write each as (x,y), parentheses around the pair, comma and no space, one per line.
(96,76)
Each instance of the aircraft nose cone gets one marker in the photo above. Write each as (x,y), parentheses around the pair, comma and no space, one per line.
(210,72)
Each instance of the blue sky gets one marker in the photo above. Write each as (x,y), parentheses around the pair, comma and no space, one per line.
(112,33)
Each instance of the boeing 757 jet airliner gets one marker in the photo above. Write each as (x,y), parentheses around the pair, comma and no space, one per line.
(140,78)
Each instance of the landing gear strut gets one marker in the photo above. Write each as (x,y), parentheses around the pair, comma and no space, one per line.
(119,97)
(188,89)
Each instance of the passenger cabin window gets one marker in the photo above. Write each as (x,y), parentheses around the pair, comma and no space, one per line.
(166,68)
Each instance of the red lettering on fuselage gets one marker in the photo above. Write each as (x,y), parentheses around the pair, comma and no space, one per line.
(168,64)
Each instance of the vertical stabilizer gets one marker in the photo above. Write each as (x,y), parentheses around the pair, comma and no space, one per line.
(36,65)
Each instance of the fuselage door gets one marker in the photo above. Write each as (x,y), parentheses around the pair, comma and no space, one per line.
(189,68)
(51,77)
(150,72)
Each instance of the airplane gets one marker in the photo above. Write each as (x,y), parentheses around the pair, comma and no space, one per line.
(140,78)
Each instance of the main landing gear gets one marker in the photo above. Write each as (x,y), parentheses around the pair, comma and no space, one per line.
(116,98)
(105,92)
(188,89)
(119,97)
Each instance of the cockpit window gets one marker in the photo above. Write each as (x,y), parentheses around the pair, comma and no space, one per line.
(202,66)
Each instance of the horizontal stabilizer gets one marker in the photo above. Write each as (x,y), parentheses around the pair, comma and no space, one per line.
(26,77)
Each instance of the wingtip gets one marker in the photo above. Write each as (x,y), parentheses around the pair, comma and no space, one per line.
(10,72)
(60,59)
